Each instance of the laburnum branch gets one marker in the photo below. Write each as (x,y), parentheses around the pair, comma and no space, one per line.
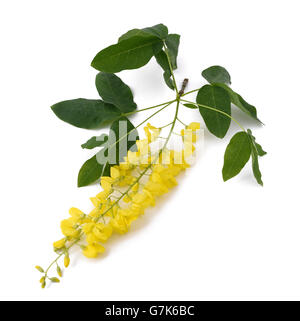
(139,174)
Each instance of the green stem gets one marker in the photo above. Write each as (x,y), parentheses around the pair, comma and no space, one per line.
(137,111)
(59,256)
(189,92)
(55,261)
(158,111)
(173,125)
(165,125)
(219,111)
(181,122)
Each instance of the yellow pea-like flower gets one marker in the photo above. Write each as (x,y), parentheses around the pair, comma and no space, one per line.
(68,229)
(194,126)
(114,172)
(75,212)
(93,250)
(95,200)
(59,244)
(119,224)
(106,183)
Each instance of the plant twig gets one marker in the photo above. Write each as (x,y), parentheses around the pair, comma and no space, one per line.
(184,84)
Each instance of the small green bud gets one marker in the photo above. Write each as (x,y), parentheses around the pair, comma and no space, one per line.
(40,269)
(54,280)
(59,271)
(43,285)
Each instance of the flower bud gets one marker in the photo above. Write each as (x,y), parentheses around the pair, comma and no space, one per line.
(54,280)
(40,269)
(59,272)
(67,261)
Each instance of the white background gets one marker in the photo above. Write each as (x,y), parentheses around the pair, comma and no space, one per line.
(207,240)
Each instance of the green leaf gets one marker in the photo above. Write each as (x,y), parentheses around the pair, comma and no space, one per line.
(86,113)
(215,97)
(172,43)
(259,149)
(90,171)
(256,150)
(255,168)
(216,74)
(130,53)
(122,137)
(192,106)
(95,141)
(168,79)
(236,155)
(219,76)
(132,33)
(162,60)
(239,102)
(159,31)
(245,107)
(113,90)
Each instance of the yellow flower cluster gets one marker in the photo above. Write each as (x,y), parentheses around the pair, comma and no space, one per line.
(131,188)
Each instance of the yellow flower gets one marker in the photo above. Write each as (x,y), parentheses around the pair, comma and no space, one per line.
(135,187)
(87,228)
(96,202)
(151,132)
(126,199)
(59,244)
(156,188)
(119,224)
(102,196)
(179,160)
(114,172)
(133,157)
(139,198)
(76,213)
(124,165)
(189,149)
(143,147)
(96,212)
(194,126)
(106,183)
(189,136)
(93,250)
(68,229)
(97,232)
(150,197)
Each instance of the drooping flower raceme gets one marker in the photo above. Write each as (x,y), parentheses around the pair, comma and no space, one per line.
(133,186)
